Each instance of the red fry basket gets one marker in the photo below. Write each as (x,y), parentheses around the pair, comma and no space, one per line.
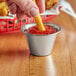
(13,25)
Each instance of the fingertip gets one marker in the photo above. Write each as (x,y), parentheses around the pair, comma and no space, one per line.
(19,17)
(20,14)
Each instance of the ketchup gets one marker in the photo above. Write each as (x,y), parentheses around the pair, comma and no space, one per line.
(49,30)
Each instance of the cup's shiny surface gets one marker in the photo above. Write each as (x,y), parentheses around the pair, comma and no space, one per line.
(40,45)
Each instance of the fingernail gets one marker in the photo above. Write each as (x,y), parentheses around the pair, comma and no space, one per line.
(34,11)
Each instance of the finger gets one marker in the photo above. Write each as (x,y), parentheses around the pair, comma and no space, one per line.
(20,14)
(41,5)
(12,6)
(9,2)
(28,7)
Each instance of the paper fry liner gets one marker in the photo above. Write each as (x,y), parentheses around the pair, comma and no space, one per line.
(62,5)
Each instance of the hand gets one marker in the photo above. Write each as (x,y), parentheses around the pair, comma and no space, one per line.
(22,7)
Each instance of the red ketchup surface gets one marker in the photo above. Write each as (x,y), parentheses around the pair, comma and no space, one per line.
(34,30)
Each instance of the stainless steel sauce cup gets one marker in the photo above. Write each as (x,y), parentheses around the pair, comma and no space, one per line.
(40,45)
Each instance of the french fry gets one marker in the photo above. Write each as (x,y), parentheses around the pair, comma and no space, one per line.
(4,10)
(39,23)
(50,3)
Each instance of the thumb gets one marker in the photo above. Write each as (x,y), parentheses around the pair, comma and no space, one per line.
(28,6)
